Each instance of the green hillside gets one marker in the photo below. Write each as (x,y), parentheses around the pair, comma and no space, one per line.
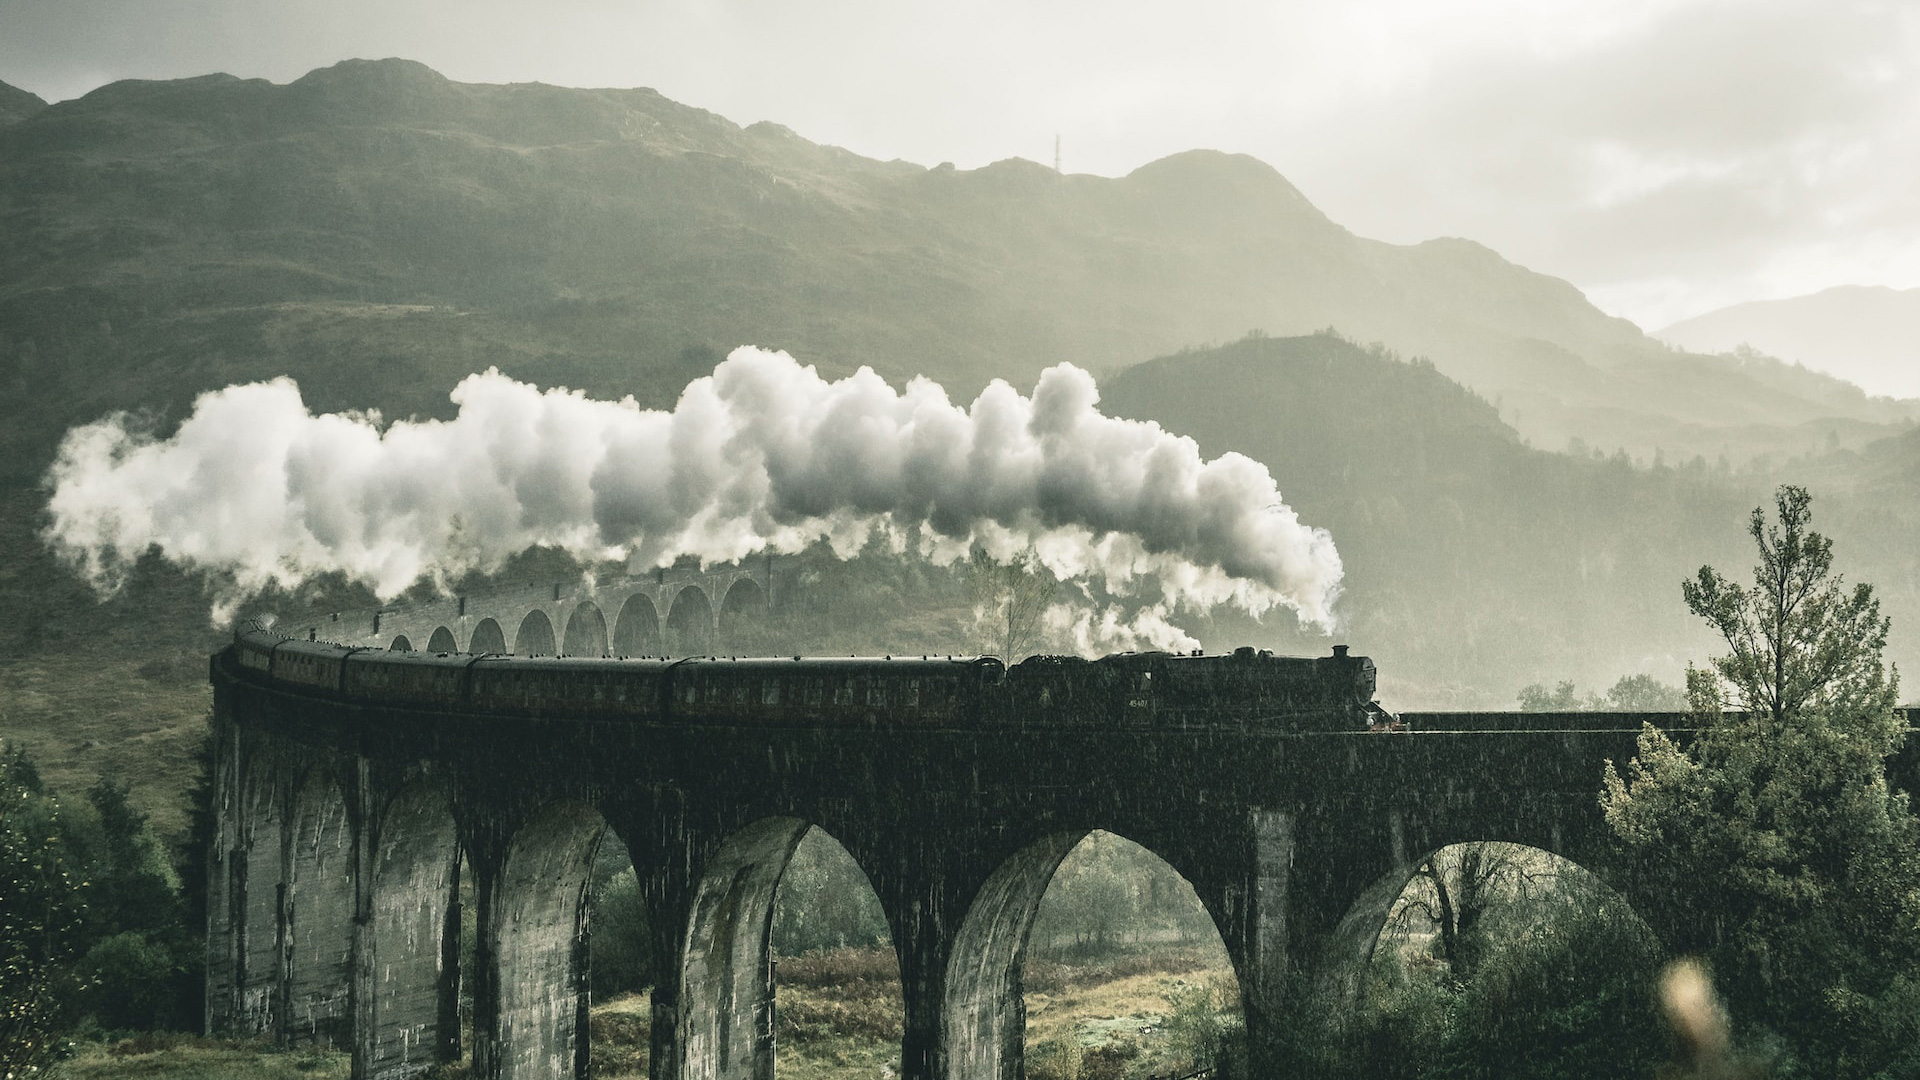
(1476,564)
(378,231)
(17,104)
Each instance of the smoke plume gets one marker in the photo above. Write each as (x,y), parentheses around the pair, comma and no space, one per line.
(763,454)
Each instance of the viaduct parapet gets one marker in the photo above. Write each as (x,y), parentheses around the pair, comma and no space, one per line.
(356,788)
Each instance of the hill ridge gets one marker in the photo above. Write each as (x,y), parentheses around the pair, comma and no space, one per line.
(1869,334)
(177,235)
(17,104)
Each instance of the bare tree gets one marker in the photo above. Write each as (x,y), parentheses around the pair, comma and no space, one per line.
(1453,890)
(1009,601)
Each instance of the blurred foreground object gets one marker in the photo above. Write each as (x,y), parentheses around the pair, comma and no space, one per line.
(1702,1043)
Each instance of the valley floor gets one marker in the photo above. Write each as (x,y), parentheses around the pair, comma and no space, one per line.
(1111,1020)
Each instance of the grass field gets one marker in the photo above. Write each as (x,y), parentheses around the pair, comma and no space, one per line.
(137,718)
(839,1019)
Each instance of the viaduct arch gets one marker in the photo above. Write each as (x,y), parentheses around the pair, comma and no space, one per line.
(628,615)
(355,788)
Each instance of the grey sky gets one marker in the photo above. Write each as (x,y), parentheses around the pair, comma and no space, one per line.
(1667,156)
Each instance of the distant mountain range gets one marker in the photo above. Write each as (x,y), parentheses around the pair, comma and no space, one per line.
(1868,335)
(378,231)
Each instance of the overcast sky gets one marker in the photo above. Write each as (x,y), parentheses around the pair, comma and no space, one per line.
(1667,156)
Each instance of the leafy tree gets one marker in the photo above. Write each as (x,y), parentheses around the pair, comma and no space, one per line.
(622,941)
(41,918)
(1094,896)
(1633,693)
(1500,960)
(132,980)
(1535,697)
(1567,1001)
(824,901)
(1644,693)
(140,963)
(94,921)
(133,886)
(1802,644)
(1777,818)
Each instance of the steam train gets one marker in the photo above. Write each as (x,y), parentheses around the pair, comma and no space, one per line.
(1246,688)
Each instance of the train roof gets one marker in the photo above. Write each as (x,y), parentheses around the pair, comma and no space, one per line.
(574,665)
(1243,654)
(784,665)
(259,637)
(255,635)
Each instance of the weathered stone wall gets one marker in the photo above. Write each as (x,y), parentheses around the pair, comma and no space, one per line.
(318,972)
(537,933)
(1295,841)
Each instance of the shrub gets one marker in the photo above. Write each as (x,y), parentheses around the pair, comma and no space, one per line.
(131,981)
(840,967)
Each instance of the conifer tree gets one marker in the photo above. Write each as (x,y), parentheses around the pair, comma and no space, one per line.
(1771,841)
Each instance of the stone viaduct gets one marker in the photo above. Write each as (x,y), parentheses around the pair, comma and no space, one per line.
(356,788)
(680,611)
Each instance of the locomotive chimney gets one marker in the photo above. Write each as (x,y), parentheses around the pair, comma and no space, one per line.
(1339,652)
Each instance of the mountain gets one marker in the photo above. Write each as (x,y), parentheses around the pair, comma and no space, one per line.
(17,104)
(1476,564)
(377,231)
(1868,335)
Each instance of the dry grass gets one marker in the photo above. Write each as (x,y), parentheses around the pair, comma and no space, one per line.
(808,1016)
(1094,1025)
(172,1056)
(839,1014)
(621,1034)
(1053,975)
(840,1017)
(840,967)
(1108,1020)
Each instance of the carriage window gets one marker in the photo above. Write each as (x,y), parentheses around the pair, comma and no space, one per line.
(913,693)
(770,692)
(843,694)
(876,693)
(813,691)
(740,695)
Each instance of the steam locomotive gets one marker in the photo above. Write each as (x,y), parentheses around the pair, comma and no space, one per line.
(1246,688)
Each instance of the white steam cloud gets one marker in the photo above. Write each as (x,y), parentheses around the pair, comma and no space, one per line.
(763,454)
